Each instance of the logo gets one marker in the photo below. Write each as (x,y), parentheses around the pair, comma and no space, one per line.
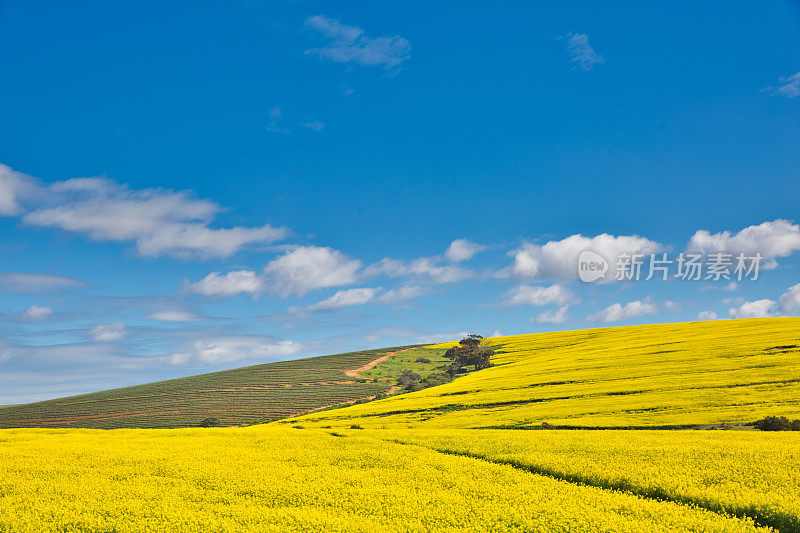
(591,266)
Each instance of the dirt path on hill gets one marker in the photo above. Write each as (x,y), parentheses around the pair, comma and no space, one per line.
(355,373)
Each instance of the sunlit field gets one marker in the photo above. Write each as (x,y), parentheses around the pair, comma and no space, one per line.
(285,479)
(482,453)
(672,375)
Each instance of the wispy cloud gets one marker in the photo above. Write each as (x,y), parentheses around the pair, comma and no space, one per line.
(159,221)
(616,312)
(313,125)
(36,313)
(37,283)
(108,332)
(275,125)
(789,86)
(349,44)
(229,348)
(581,53)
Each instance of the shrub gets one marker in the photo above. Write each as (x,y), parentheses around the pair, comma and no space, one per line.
(423,360)
(210,422)
(777,423)
(356,426)
(408,377)
(298,427)
(437,378)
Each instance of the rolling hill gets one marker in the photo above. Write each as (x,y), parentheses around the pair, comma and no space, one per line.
(243,396)
(665,375)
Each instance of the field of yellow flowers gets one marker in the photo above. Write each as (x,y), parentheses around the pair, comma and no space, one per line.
(278,478)
(470,455)
(662,375)
(743,473)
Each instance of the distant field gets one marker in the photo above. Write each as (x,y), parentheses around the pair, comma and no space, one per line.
(242,396)
(670,375)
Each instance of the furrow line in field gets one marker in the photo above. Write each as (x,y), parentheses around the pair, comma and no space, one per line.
(784,523)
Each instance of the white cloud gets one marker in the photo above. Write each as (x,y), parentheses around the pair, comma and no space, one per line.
(789,86)
(349,44)
(37,283)
(790,300)
(227,349)
(36,313)
(347,297)
(307,268)
(731,287)
(423,267)
(707,315)
(777,238)
(538,296)
(175,315)
(159,221)
(581,53)
(108,332)
(757,309)
(14,188)
(616,312)
(232,283)
(462,250)
(406,292)
(559,259)
(557,316)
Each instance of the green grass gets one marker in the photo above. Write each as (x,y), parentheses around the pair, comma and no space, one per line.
(237,397)
(394,366)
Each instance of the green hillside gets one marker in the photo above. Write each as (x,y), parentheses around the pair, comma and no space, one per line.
(242,396)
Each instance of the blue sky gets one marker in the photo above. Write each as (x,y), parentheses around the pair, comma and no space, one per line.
(205,185)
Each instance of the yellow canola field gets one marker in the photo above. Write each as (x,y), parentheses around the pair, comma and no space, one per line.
(275,478)
(745,473)
(698,373)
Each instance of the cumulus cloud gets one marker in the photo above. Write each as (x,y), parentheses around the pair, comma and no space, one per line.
(557,316)
(538,296)
(790,300)
(462,250)
(37,283)
(347,297)
(707,315)
(230,284)
(175,315)
(616,312)
(349,44)
(777,238)
(36,313)
(307,268)
(581,53)
(559,259)
(789,86)
(158,221)
(757,309)
(230,348)
(108,332)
